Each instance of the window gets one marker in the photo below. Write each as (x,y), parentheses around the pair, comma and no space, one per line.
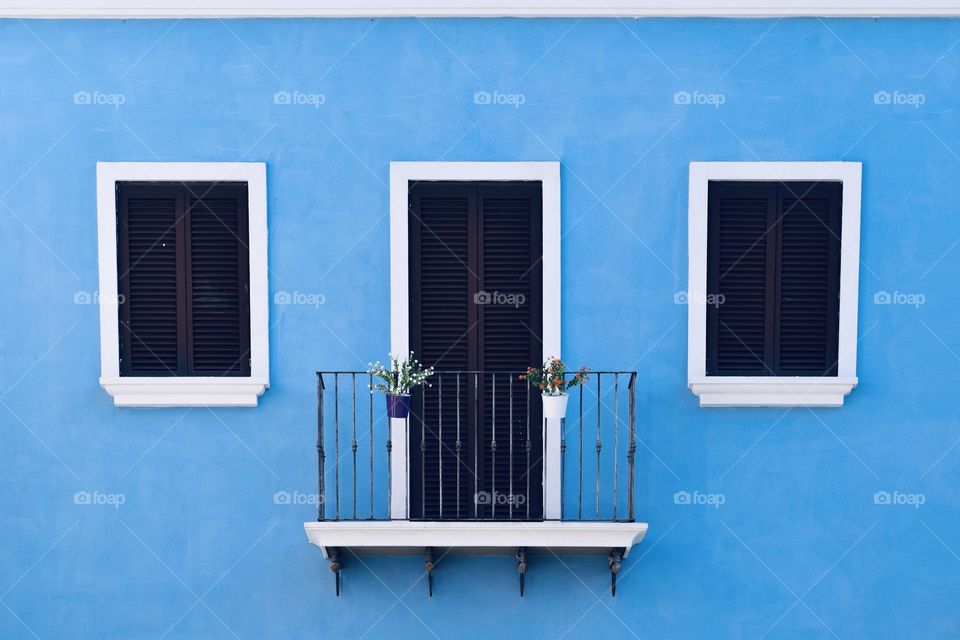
(184,288)
(475,259)
(773,270)
(183,283)
(773,282)
(523,194)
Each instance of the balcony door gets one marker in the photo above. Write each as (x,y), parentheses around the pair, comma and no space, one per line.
(476,307)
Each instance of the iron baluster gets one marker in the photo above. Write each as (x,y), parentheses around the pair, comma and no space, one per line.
(476,446)
(529,447)
(458,446)
(440,436)
(389,470)
(408,512)
(616,429)
(353,438)
(493,446)
(580,465)
(321,455)
(631,451)
(599,446)
(563,458)
(423,453)
(336,436)
(370,387)
(510,436)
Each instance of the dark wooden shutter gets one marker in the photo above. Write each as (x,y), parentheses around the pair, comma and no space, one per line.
(218,313)
(184,279)
(739,255)
(150,283)
(809,278)
(509,340)
(473,247)
(773,278)
(443,322)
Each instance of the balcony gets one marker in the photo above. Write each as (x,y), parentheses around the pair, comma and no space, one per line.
(475,468)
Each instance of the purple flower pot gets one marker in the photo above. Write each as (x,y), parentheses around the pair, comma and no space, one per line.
(398,406)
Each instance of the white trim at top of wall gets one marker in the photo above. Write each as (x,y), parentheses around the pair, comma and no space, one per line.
(773,391)
(193,391)
(52,9)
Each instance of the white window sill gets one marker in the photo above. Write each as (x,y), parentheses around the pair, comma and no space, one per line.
(400,537)
(184,392)
(750,391)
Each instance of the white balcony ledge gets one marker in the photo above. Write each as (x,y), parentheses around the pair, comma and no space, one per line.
(750,391)
(404,537)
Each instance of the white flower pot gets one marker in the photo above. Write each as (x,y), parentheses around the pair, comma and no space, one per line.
(555,407)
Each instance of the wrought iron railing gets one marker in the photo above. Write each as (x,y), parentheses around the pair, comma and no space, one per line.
(476,450)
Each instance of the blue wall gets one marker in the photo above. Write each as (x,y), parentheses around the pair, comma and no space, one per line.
(198,518)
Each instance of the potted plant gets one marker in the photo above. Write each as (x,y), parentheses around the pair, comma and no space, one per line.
(553,383)
(397,381)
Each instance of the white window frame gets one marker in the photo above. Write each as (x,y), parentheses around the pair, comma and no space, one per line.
(186,391)
(401,174)
(773,391)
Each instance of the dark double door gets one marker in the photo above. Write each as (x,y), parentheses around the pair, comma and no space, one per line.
(476,306)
